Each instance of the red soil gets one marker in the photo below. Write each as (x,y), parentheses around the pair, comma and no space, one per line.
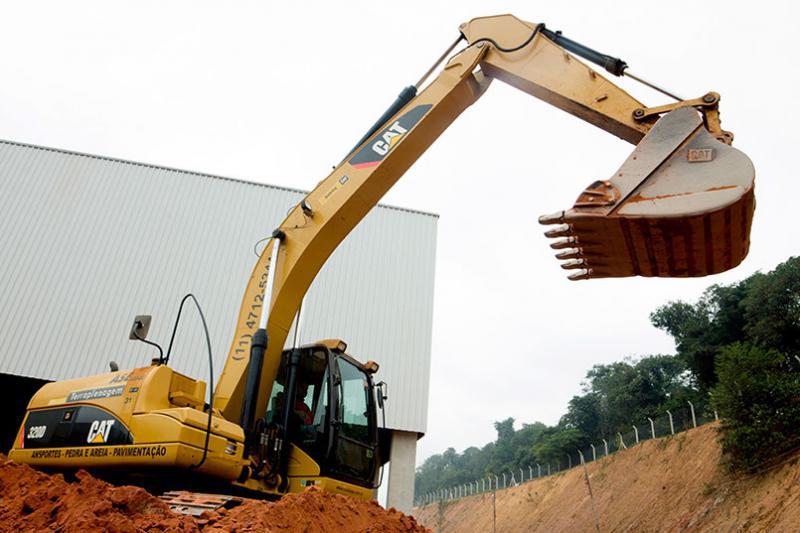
(34,501)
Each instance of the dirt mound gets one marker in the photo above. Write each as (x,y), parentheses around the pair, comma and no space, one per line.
(670,484)
(313,510)
(34,501)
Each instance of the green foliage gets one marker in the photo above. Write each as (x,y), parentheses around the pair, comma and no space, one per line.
(700,330)
(625,391)
(757,399)
(772,308)
(558,443)
(763,309)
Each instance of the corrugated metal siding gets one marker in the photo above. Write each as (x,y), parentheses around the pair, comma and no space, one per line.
(87,243)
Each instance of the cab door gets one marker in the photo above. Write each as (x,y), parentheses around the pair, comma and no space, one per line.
(355,432)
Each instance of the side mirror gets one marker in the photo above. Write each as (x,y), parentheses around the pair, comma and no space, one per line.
(140,327)
(382,390)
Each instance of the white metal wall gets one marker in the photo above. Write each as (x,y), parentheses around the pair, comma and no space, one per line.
(87,243)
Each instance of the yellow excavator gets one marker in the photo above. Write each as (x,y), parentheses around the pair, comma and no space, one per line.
(681,205)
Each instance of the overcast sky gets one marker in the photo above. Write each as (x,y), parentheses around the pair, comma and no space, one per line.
(279,93)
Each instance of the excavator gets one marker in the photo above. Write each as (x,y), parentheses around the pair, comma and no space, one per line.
(681,205)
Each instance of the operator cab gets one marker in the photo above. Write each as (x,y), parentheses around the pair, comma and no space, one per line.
(333,417)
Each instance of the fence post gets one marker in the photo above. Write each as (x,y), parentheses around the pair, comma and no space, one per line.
(591,494)
(504,480)
(539,468)
(671,425)
(621,442)
(716,416)
(569,461)
(530,472)
(605,444)
(652,428)
(691,407)
(548,469)
(594,453)
(497,482)
(636,432)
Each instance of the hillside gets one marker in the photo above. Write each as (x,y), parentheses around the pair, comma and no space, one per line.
(669,484)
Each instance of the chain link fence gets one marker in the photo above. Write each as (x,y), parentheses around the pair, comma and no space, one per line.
(670,423)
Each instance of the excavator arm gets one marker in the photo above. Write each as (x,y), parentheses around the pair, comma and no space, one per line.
(681,205)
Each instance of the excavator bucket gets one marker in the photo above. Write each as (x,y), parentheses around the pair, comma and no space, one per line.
(680,206)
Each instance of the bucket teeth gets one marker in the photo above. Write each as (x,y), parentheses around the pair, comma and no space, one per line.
(553,218)
(573,264)
(568,242)
(585,273)
(564,230)
(569,253)
(681,205)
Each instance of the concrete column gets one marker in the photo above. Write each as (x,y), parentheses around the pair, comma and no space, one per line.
(402,461)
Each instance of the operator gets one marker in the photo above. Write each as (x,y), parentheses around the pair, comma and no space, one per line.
(302,410)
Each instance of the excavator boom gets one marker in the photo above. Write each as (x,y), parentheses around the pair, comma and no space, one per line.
(681,205)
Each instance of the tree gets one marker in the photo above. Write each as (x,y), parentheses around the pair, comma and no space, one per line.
(757,399)
(702,329)
(772,308)
(556,445)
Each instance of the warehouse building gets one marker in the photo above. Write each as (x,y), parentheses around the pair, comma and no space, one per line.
(89,242)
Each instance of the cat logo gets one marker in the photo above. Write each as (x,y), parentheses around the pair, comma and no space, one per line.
(373,152)
(390,136)
(98,431)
